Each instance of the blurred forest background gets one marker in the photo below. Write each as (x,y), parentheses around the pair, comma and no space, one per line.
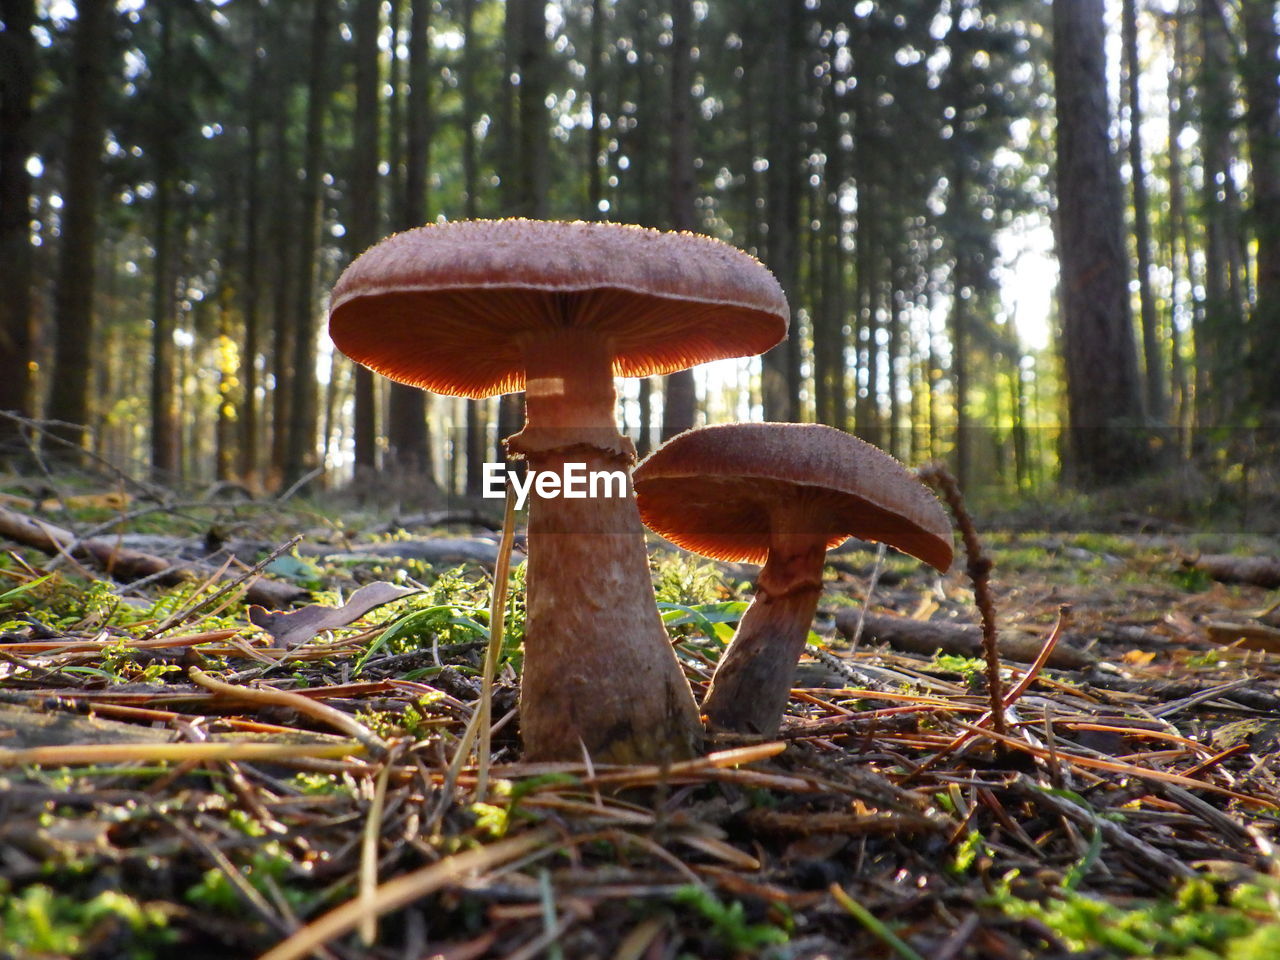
(182,181)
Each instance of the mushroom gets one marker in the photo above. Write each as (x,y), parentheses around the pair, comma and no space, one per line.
(479,308)
(781,494)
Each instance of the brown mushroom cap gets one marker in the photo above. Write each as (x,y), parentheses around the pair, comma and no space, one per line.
(445,307)
(711,491)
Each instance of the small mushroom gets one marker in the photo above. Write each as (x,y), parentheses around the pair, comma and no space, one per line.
(479,308)
(781,494)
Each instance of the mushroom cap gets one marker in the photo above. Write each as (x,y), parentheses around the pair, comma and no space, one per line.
(714,491)
(446,307)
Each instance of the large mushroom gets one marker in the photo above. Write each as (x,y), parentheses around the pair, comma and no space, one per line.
(479,308)
(781,494)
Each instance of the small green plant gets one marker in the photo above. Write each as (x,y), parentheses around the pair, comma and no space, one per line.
(687,580)
(270,860)
(1200,922)
(715,621)
(971,669)
(412,721)
(728,922)
(1191,579)
(968,851)
(41,923)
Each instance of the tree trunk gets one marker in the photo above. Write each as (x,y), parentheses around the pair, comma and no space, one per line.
(17,79)
(407,433)
(780,369)
(1220,338)
(164,416)
(962,292)
(828,342)
(680,397)
(166,460)
(595,132)
(300,455)
(1262,125)
(527,193)
(1103,394)
(395,138)
(365,209)
(1177,262)
(73,300)
(1152,347)
(251,294)
(474,442)
(284,243)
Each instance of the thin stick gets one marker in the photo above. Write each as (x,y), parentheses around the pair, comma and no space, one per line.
(96,753)
(369,858)
(405,890)
(873,924)
(979,570)
(478,725)
(196,605)
(304,705)
(1064,618)
(497,624)
(866,601)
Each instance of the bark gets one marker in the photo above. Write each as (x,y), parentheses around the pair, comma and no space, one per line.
(17,81)
(960,323)
(1220,340)
(474,441)
(251,293)
(828,339)
(680,398)
(365,206)
(595,131)
(395,139)
(896,351)
(780,370)
(470,63)
(867,259)
(73,300)
(1103,394)
(964,270)
(1177,261)
(1152,346)
(644,414)
(475,447)
(527,193)
(300,456)
(410,443)
(1262,125)
(225,433)
(284,243)
(165,448)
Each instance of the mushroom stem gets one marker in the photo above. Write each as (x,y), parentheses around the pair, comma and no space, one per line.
(751,685)
(599,670)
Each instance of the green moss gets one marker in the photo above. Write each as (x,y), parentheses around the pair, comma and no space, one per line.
(1198,922)
(37,922)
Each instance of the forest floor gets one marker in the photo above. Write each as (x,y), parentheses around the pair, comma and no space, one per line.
(181,775)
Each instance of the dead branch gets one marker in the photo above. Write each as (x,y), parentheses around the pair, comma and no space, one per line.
(927,637)
(125,564)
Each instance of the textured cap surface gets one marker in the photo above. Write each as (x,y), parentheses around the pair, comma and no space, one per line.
(445,306)
(713,490)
